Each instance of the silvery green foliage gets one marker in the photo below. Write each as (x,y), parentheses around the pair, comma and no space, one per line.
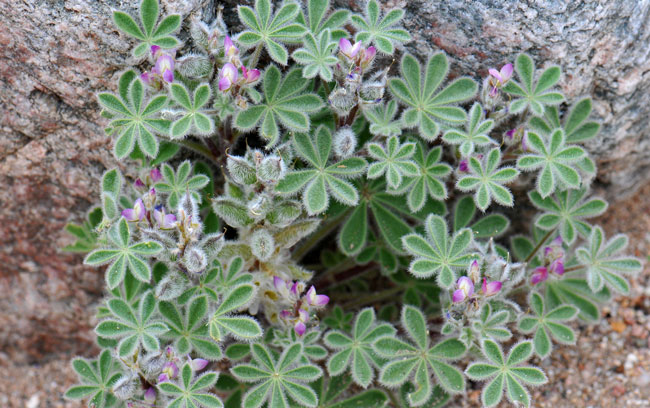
(318,190)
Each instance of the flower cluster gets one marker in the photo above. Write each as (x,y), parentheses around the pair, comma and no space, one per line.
(553,262)
(163,70)
(465,285)
(301,307)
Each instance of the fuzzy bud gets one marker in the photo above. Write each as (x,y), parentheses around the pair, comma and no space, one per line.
(262,244)
(212,244)
(195,260)
(124,388)
(271,169)
(152,363)
(194,66)
(170,287)
(241,171)
(200,32)
(372,92)
(345,142)
(259,206)
(342,101)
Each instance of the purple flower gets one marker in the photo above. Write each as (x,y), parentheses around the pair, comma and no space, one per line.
(150,394)
(499,78)
(367,56)
(465,289)
(463,166)
(524,142)
(492,288)
(138,183)
(250,76)
(348,49)
(511,134)
(279,283)
(165,67)
(229,49)
(300,328)
(136,213)
(165,221)
(539,275)
(156,51)
(155,175)
(199,364)
(147,78)
(169,371)
(227,76)
(316,300)
(557,266)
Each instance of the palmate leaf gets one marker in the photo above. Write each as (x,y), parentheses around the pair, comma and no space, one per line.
(426,108)
(491,225)
(338,319)
(577,128)
(491,324)
(316,21)
(439,253)
(311,342)
(566,210)
(392,160)
(476,133)
(132,118)
(132,327)
(149,32)
(604,264)
(387,213)
(110,193)
(192,120)
(381,32)
(321,180)
(191,393)
(278,378)
(575,291)
(328,391)
(545,322)
(354,353)
(316,56)
(506,373)
(487,180)
(554,160)
(224,322)
(382,119)
(121,254)
(270,29)
(178,183)
(418,360)
(84,233)
(531,94)
(429,179)
(284,103)
(96,378)
(188,329)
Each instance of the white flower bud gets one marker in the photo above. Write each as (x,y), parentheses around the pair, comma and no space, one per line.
(125,387)
(271,169)
(195,260)
(262,244)
(345,142)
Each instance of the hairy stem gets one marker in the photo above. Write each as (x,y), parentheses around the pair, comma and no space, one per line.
(322,232)
(539,245)
(254,59)
(374,297)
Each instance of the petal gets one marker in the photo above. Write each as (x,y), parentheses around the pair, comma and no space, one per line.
(129,214)
(458,296)
(300,328)
(495,74)
(506,72)
(344,45)
(168,76)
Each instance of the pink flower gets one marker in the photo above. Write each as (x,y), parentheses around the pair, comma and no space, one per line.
(499,78)
(165,67)
(138,183)
(250,76)
(147,78)
(279,283)
(524,142)
(169,371)
(155,175)
(199,364)
(367,56)
(511,134)
(136,213)
(229,49)
(300,328)
(503,75)
(165,221)
(465,289)
(474,272)
(150,394)
(492,288)
(539,275)
(156,51)
(227,76)
(316,300)
(348,49)
(557,266)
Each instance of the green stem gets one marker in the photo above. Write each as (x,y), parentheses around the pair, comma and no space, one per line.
(539,245)
(384,294)
(254,59)
(393,398)
(574,268)
(197,147)
(318,235)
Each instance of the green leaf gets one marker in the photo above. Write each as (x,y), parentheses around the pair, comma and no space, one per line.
(428,109)
(533,96)
(381,32)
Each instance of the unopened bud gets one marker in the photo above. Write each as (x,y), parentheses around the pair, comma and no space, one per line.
(194,66)
(262,244)
(195,260)
(342,101)
(125,387)
(345,142)
(199,32)
(170,287)
(271,169)
(241,171)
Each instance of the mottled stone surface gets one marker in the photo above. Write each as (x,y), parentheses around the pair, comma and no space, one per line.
(54,55)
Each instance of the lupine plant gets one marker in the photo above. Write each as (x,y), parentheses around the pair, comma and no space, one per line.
(299,222)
